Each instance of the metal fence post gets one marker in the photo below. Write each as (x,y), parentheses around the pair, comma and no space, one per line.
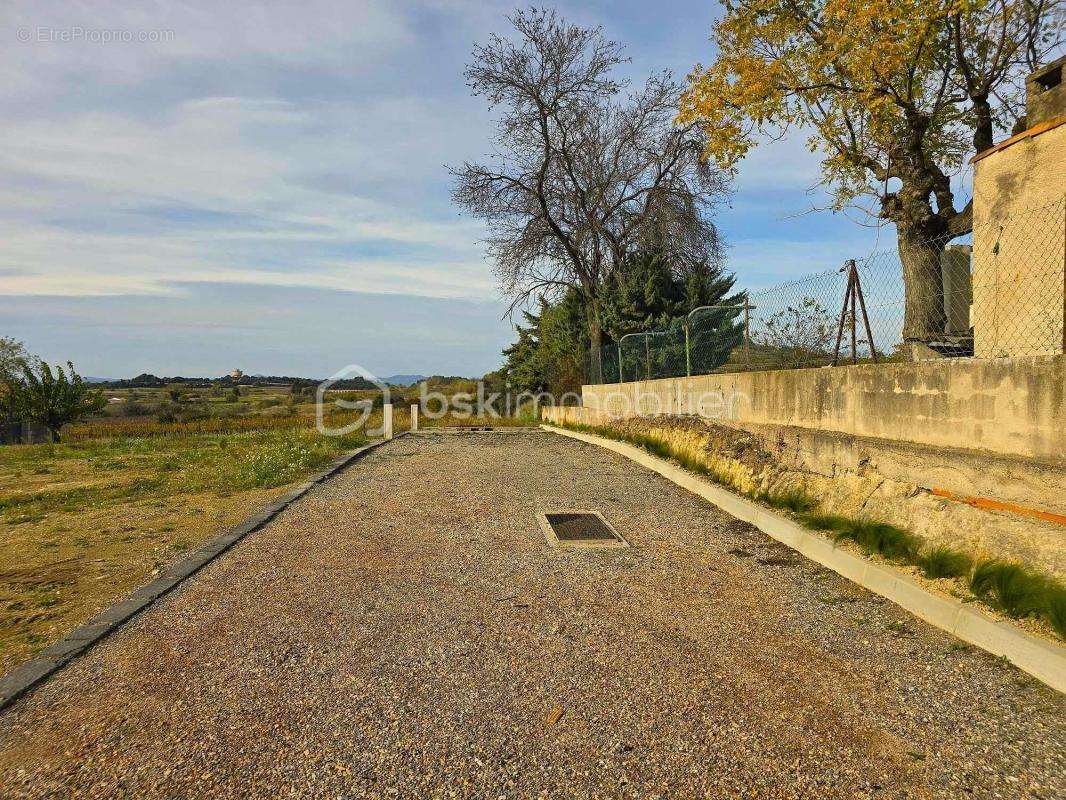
(747,331)
(688,354)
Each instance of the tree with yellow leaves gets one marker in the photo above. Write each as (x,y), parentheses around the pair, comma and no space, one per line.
(897,94)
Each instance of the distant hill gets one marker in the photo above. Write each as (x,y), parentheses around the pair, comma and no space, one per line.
(149,381)
(403,380)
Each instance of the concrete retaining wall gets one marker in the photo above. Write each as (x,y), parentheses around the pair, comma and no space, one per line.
(1008,406)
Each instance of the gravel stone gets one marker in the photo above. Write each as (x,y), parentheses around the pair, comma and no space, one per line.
(404,630)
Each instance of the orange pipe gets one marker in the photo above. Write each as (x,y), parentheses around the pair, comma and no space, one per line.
(999,505)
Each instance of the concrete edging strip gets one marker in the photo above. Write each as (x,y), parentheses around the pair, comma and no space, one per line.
(1044,660)
(28,674)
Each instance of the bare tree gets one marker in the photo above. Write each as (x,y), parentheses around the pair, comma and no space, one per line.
(584,170)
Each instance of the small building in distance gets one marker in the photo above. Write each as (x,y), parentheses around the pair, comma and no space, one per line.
(1019,230)
(236,375)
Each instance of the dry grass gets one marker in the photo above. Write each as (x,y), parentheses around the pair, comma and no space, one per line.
(84,523)
(69,565)
(294,417)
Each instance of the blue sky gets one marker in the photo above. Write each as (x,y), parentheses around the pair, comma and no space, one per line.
(265,187)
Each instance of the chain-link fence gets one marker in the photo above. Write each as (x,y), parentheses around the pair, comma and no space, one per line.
(994,293)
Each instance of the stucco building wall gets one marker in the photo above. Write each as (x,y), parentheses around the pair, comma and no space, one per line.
(1019,244)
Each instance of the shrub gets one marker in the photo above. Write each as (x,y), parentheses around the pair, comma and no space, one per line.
(943,562)
(168,413)
(134,408)
(192,413)
(1012,588)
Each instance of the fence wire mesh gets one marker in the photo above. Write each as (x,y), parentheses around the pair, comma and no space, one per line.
(995,293)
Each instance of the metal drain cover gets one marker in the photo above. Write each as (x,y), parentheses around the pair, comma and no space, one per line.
(579,529)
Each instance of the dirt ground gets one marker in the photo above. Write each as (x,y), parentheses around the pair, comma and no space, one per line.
(405,630)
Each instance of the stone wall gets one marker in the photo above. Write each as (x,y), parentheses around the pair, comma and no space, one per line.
(1006,407)
(23,433)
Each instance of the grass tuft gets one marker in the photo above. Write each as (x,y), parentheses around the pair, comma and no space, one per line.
(873,537)
(793,500)
(1012,588)
(824,522)
(944,562)
(880,537)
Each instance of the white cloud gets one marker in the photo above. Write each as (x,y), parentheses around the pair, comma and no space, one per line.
(292,145)
(350,35)
(117,198)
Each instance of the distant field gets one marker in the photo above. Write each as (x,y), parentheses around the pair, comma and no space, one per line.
(152,412)
(86,521)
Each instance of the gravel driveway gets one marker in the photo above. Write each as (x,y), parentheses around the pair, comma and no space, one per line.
(404,630)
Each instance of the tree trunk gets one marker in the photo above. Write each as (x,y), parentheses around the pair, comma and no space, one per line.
(923,316)
(592,315)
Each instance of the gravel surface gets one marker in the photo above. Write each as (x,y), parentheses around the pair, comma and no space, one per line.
(405,631)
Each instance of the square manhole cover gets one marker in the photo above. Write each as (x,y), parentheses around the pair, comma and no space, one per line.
(579,529)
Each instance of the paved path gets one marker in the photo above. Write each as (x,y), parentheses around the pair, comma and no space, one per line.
(405,631)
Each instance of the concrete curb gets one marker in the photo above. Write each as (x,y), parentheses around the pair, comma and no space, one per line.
(27,675)
(450,429)
(1045,661)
